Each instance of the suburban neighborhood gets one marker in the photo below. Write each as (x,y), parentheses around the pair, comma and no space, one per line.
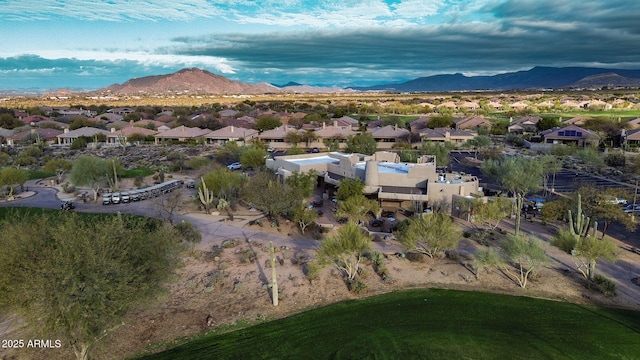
(302,203)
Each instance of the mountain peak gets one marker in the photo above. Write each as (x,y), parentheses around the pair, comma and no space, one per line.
(188,80)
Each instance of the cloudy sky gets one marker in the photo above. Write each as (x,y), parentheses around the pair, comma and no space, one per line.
(92,44)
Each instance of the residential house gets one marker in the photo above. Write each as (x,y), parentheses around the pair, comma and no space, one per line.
(571,135)
(46,135)
(333,133)
(347,121)
(181,134)
(472,122)
(4,133)
(577,120)
(230,133)
(110,117)
(632,137)
(453,136)
(525,124)
(69,136)
(389,135)
(634,123)
(275,138)
(35,119)
(116,136)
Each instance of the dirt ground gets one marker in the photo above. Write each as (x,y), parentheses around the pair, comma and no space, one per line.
(219,288)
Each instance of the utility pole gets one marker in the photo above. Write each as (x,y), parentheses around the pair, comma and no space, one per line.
(635,200)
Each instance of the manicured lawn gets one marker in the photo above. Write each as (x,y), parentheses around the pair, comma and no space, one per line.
(431,324)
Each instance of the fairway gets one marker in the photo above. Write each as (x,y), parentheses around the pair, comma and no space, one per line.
(431,324)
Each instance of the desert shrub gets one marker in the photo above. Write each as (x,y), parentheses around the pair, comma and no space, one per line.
(453,255)
(299,257)
(316,235)
(415,256)
(382,271)
(216,279)
(606,285)
(376,258)
(188,232)
(79,143)
(615,159)
(356,286)
(466,234)
(68,188)
(229,243)
(223,265)
(216,251)
(564,241)
(311,270)
(363,273)
(247,256)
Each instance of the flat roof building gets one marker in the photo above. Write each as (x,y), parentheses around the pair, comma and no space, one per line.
(392,182)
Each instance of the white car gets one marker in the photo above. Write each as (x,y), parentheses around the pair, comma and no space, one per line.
(234,166)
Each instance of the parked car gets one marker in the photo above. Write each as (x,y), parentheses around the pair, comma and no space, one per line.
(125,197)
(106,199)
(115,198)
(234,166)
(632,209)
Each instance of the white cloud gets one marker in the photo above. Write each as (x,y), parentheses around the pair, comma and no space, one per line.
(417,8)
(145,59)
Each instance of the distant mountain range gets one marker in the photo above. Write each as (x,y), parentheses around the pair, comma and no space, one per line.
(197,81)
(537,78)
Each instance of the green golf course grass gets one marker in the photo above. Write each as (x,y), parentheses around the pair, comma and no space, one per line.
(430,324)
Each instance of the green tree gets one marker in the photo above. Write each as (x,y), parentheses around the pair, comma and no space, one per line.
(357,208)
(518,175)
(308,137)
(348,188)
(76,277)
(88,170)
(345,250)
(253,156)
(267,122)
(590,250)
(526,254)
(267,193)
(303,182)
(7,121)
(224,184)
(293,138)
(440,121)
(430,233)
(304,217)
(361,144)
(600,206)
(10,176)
(439,150)
(58,166)
(493,211)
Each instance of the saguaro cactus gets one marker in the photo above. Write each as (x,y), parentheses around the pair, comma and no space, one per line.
(206,196)
(580,225)
(274,277)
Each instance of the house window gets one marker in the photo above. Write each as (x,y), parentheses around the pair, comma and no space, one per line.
(560,133)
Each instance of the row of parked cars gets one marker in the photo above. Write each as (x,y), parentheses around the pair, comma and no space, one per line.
(141,194)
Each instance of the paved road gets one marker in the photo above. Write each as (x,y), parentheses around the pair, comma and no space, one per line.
(212,228)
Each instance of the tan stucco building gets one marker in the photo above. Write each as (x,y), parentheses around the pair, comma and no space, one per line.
(393,183)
